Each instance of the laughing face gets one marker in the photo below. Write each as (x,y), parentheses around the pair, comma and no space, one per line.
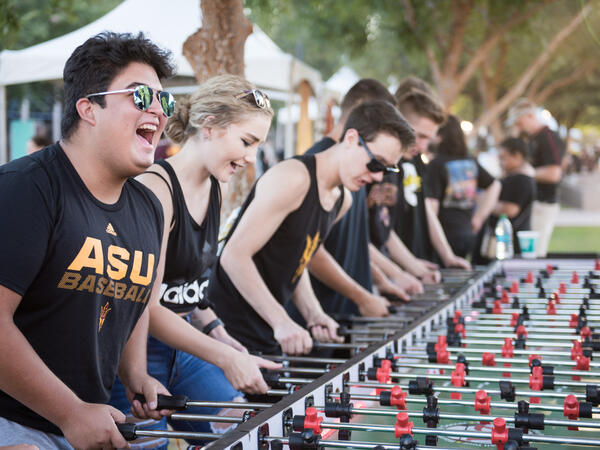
(128,135)
(237,145)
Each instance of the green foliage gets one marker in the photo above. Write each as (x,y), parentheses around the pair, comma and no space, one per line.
(24,23)
(27,22)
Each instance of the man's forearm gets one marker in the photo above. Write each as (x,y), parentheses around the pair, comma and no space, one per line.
(133,361)
(329,272)
(402,255)
(548,174)
(437,235)
(25,377)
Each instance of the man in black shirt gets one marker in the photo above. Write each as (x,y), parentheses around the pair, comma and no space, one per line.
(78,251)
(546,152)
(419,227)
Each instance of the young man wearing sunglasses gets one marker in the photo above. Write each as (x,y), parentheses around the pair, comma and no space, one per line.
(288,214)
(78,252)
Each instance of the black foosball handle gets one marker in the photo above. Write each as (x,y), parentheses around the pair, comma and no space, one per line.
(127,430)
(173,402)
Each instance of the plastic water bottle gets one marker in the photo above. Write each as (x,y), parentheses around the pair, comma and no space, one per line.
(504,238)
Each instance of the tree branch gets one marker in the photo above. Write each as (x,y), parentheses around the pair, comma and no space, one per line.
(483,51)
(561,83)
(460,16)
(409,16)
(532,70)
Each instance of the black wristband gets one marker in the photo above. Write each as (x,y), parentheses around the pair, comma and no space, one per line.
(212,325)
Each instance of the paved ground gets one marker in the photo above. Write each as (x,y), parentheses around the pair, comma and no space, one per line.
(578,218)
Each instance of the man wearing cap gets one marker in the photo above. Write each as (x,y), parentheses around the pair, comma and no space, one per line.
(546,151)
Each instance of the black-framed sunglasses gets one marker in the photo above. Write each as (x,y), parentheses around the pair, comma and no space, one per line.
(260,98)
(143,96)
(374,165)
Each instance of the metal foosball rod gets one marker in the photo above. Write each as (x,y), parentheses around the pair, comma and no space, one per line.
(468,379)
(496,351)
(489,359)
(564,313)
(532,338)
(474,368)
(467,390)
(482,403)
(182,402)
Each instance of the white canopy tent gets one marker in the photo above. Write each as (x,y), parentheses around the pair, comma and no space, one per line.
(168,24)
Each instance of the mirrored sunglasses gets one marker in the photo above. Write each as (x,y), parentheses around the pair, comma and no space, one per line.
(142,98)
(374,165)
(260,98)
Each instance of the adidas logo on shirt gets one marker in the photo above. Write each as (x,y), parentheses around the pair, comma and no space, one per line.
(110,229)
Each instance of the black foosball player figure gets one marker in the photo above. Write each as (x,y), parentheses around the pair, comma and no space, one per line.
(283,222)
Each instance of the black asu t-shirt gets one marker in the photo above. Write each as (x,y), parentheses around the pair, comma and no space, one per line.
(280,263)
(84,270)
(546,149)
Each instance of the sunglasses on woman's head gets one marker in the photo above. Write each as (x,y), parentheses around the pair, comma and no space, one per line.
(374,165)
(143,96)
(260,98)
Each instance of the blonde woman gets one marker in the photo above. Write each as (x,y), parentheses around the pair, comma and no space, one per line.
(219,129)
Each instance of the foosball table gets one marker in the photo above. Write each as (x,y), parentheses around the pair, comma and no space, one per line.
(502,356)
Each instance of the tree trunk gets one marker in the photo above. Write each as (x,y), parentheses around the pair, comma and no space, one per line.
(488,83)
(519,88)
(218,48)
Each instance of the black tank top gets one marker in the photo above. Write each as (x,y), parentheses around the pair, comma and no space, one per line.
(280,263)
(191,249)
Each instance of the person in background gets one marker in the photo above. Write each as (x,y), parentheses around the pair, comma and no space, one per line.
(518,188)
(453,181)
(38,142)
(546,152)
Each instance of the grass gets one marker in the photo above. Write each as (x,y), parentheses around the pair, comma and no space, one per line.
(575,240)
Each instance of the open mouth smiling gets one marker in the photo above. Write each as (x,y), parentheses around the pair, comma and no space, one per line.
(146,131)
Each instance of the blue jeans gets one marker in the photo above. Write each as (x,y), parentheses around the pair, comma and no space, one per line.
(182,374)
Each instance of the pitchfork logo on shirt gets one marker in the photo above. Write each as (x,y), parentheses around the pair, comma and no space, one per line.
(311,246)
(103,313)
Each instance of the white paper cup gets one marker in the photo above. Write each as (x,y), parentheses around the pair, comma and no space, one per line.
(528,243)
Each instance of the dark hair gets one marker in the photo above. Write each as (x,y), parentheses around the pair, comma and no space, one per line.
(365,90)
(515,146)
(42,140)
(372,118)
(452,139)
(94,65)
(415,97)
